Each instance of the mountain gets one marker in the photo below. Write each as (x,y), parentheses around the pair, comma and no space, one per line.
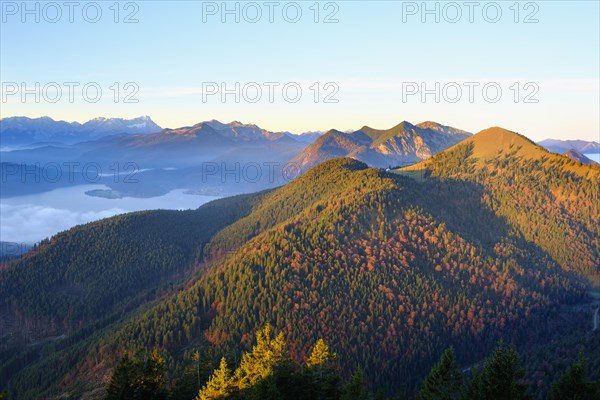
(307,137)
(560,146)
(211,133)
(405,143)
(579,157)
(23,131)
(492,238)
(210,157)
(537,191)
(106,126)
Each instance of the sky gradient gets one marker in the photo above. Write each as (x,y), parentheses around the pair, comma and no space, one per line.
(374,58)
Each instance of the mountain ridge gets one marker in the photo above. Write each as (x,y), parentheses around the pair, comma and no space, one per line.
(26,131)
(560,146)
(401,144)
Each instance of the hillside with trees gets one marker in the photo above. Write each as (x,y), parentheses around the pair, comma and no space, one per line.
(494,239)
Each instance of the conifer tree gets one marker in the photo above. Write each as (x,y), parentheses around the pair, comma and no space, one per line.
(258,364)
(152,382)
(356,388)
(444,381)
(500,377)
(324,381)
(121,382)
(319,355)
(218,385)
(574,383)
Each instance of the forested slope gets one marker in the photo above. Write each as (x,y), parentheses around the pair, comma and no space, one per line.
(88,277)
(488,240)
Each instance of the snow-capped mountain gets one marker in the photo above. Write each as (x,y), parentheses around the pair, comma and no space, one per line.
(23,131)
(142,124)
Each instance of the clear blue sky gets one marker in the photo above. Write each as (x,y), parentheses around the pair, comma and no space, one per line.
(371,55)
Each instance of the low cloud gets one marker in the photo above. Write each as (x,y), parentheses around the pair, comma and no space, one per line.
(30,223)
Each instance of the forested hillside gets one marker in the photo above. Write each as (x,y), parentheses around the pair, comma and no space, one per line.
(551,199)
(83,279)
(493,239)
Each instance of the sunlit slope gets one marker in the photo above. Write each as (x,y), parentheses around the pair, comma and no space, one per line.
(388,270)
(552,200)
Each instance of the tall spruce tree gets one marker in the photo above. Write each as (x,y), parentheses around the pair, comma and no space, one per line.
(574,383)
(219,385)
(121,382)
(324,381)
(444,381)
(500,378)
(356,388)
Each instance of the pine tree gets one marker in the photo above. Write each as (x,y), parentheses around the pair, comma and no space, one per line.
(219,383)
(444,381)
(152,383)
(499,378)
(319,355)
(356,388)
(140,378)
(266,389)
(291,382)
(324,381)
(574,383)
(258,364)
(121,382)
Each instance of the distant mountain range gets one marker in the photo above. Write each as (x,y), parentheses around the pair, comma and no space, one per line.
(24,131)
(403,144)
(210,157)
(19,131)
(308,137)
(560,146)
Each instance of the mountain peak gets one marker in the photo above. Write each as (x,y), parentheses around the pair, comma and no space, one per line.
(578,156)
(439,128)
(401,125)
(494,143)
(404,125)
(489,142)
